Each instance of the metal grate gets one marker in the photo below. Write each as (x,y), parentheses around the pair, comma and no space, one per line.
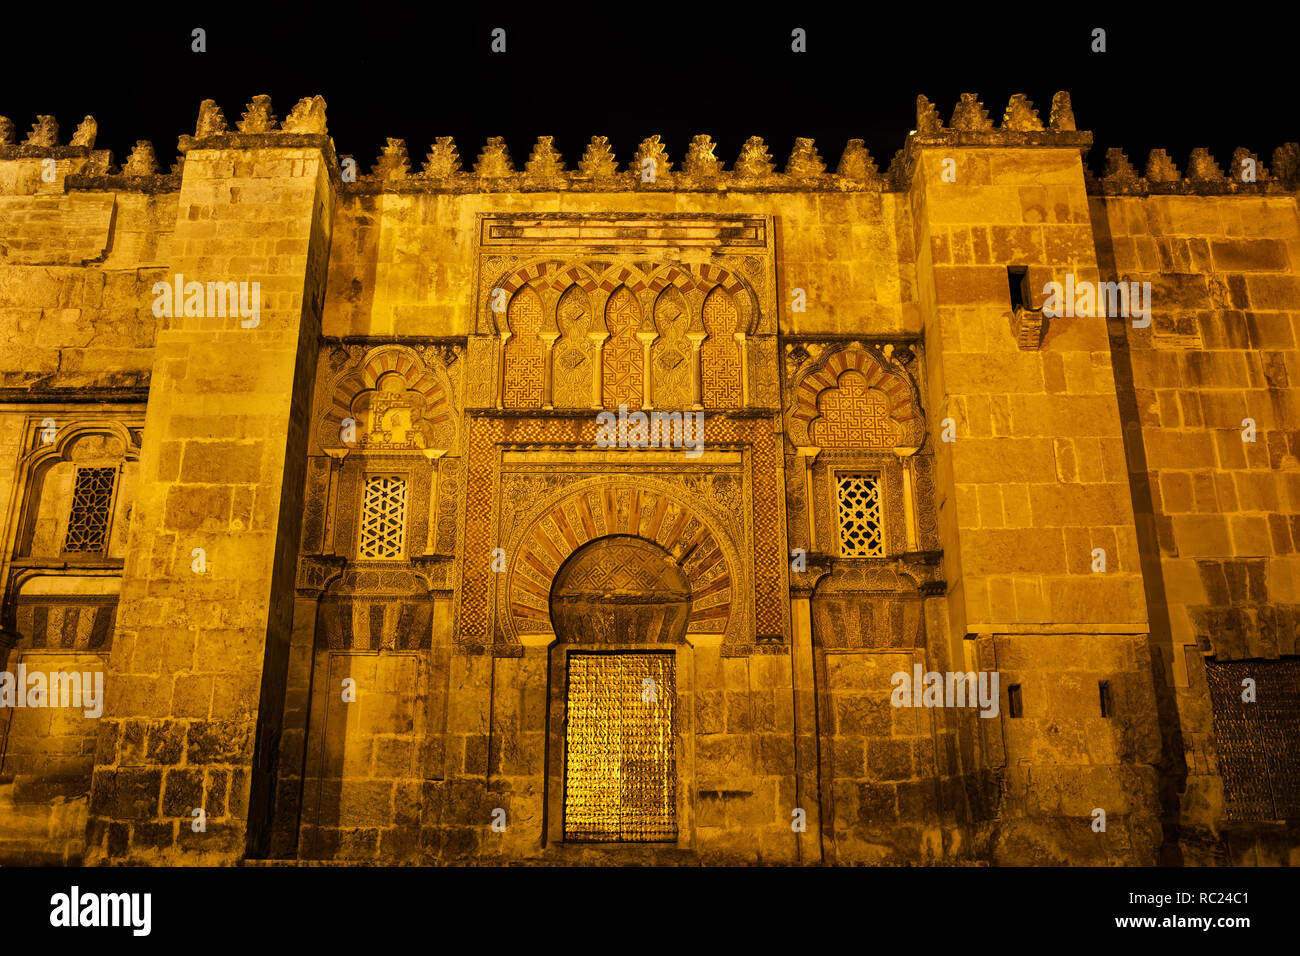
(1258,743)
(92,504)
(383,517)
(620,783)
(861,528)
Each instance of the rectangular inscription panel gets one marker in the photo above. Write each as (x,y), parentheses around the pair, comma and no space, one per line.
(659,231)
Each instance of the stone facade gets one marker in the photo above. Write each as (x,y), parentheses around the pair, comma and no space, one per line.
(315,470)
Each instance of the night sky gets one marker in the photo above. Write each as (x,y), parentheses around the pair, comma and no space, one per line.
(1178,81)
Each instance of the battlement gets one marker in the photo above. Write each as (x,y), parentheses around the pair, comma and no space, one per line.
(651,168)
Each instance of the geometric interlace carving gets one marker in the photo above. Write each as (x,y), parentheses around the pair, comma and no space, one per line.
(854,416)
(92,497)
(383,517)
(624,368)
(860,525)
(719,353)
(620,568)
(524,352)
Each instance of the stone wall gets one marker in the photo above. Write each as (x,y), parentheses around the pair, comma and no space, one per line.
(1040,548)
(1069,500)
(1216,478)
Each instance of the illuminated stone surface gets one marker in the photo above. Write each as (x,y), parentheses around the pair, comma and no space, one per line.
(423,668)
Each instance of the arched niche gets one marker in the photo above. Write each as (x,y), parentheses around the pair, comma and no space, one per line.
(853,397)
(600,509)
(620,589)
(395,399)
(79,489)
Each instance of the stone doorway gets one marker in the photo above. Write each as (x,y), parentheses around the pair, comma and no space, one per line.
(619,739)
(620,765)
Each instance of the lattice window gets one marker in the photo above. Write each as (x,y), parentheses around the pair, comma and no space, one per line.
(92,506)
(383,517)
(620,770)
(861,525)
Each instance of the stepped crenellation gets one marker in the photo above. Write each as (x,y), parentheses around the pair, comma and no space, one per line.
(1203,174)
(652,168)
(382,500)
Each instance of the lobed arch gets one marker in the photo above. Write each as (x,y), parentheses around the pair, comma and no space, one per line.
(867,374)
(523,351)
(423,385)
(705,278)
(622,355)
(67,437)
(640,508)
(551,277)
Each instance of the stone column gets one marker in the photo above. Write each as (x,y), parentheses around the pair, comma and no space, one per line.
(501,369)
(597,367)
(808,456)
(548,374)
(646,338)
(909,496)
(199,665)
(743,354)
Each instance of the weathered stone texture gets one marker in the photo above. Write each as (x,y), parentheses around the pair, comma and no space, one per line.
(326,602)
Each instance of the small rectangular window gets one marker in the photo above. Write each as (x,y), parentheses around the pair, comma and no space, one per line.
(861,528)
(92,507)
(383,517)
(1014,706)
(1016,278)
(1107,705)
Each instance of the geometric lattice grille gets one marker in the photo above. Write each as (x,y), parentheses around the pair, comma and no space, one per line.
(620,782)
(1258,743)
(861,534)
(383,517)
(92,497)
